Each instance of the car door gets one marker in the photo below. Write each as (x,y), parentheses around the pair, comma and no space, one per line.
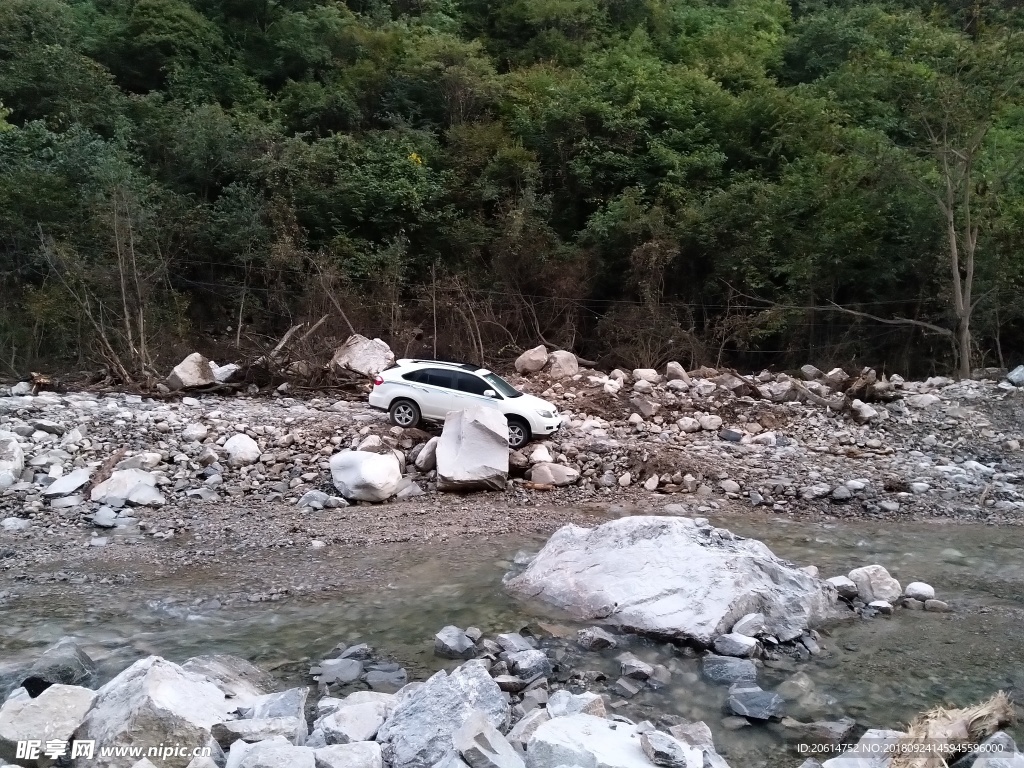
(471,390)
(437,387)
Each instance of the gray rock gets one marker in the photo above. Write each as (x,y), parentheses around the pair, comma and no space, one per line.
(627,688)
(735,644)
(750,701)
(513,642)
(337,671)
(668,577)
(631,666)
(290,703)
(278,756)
(750,625)
(562,365)
(520,734)
(259,729)
(727,670)
(482,746)
(529,664)
(665,751)
(366,754)
(472,454)
(558,475)
(844,585)
(453,643)
(238,679)
(65,662)
(193,371)
(562,703)
(1016,376)
(997,746)
(152,702)
(419,731)
(595,639)
(68,483)
(694,734)
(55,714)
(386,681)
(936,606)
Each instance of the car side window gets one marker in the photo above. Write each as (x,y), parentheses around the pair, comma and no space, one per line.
(414,376)
(438,378)
(474,385)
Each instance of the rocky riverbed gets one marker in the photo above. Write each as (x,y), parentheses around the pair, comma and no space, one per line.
(207,506)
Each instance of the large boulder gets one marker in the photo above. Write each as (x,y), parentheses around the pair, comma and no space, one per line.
(672,578)
(237,678)
(472,454)
(563,365)
(66,663)
(155,702)
(532,360)
(365,476)
(53,715)
(194,371)
(362,355)
(12,459)
(418,733)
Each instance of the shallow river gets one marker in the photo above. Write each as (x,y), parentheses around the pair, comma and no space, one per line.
(880,672)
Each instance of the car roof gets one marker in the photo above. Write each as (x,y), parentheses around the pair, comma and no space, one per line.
(411,363)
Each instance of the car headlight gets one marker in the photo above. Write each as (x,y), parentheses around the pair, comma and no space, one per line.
(545,414)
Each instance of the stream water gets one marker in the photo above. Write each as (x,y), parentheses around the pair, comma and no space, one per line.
(880,671)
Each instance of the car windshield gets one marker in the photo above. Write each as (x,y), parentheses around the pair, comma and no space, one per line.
(501,386)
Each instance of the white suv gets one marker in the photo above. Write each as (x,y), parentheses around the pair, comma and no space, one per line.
(428,389)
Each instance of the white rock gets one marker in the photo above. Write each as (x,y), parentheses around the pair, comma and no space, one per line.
(354,722)
(532,360)
(121,484)
(366,754)
(194,433)
(363,476)
(735,644)
(646,374)
(922,401)
(521,733)
(242,450)
(482,745)
(12,459)
(55,714)
(750,625)
(15,524)
(154,702)
(563,365)
(541,455)
(362,355)
(710,422)
(874,583)
(675,372)
(591,742)
(472,453)
(688,424)
(223,373)
(862,412)
(918,590)
(666,576)
(557,475)
(193,371)
(562,704)
(1016,376)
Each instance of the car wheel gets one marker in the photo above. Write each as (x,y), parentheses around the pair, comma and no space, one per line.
(518,433)
(404,413)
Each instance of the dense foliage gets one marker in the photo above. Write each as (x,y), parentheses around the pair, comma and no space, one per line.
(635,179)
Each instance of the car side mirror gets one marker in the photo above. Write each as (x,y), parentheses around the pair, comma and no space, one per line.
(490,393)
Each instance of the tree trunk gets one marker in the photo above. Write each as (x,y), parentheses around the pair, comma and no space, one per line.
(963,343)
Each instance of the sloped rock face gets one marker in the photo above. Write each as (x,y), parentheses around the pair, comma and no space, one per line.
(669,577)
(472,454)
(194,371)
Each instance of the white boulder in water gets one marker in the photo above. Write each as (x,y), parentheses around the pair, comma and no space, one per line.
(669,577)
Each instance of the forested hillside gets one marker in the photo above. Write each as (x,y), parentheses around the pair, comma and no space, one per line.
(747,181)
